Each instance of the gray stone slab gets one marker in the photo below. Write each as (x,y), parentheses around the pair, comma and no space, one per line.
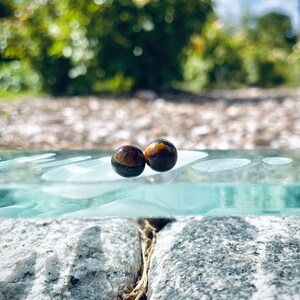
(227,258)
(68,259)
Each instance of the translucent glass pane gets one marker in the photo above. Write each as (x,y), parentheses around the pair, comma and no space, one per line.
(82,184)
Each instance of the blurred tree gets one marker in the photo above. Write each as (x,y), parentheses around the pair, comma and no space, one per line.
(76,46)
(80,47)
(270,40)
(146,42)
(275,29)
(6,8)
(216,59)
(261,52)
(226,63)
(15,73)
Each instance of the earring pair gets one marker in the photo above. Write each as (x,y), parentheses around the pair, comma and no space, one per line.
(130,161)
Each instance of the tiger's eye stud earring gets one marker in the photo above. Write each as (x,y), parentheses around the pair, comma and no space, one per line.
(128,161)
(161,155)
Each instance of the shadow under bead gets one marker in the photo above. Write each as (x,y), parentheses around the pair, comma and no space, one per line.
(128,161)
(161,155)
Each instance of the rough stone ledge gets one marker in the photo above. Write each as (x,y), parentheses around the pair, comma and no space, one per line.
(194,258)
(68,259)
(227,258)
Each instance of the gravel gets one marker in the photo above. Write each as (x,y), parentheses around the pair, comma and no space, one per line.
(248,118)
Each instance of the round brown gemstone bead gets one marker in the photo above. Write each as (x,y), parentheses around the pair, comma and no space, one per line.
(161,155)
(128,161)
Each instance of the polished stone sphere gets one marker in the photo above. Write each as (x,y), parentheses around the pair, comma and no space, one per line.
(128,161)
(161,155)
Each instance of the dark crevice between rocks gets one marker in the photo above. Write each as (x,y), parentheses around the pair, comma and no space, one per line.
(148,234)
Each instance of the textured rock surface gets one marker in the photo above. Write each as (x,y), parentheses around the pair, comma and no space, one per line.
(67,259)
(227,258)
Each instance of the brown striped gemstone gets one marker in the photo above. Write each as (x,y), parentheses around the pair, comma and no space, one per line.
(161,155)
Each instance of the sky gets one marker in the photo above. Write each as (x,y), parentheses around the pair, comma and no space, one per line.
(232,9)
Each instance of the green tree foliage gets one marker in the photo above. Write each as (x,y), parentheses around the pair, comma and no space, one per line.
(263,52)
(150,39)
(215,59)
(80,47)
(224,55)
(273,49)
(6,8)
(76,45)
(276,30)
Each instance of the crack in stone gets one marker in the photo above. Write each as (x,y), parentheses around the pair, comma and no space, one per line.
(148,235)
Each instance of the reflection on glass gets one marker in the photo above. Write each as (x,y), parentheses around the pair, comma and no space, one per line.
(82,184)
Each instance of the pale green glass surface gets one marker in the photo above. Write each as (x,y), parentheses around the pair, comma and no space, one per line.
(81,184)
